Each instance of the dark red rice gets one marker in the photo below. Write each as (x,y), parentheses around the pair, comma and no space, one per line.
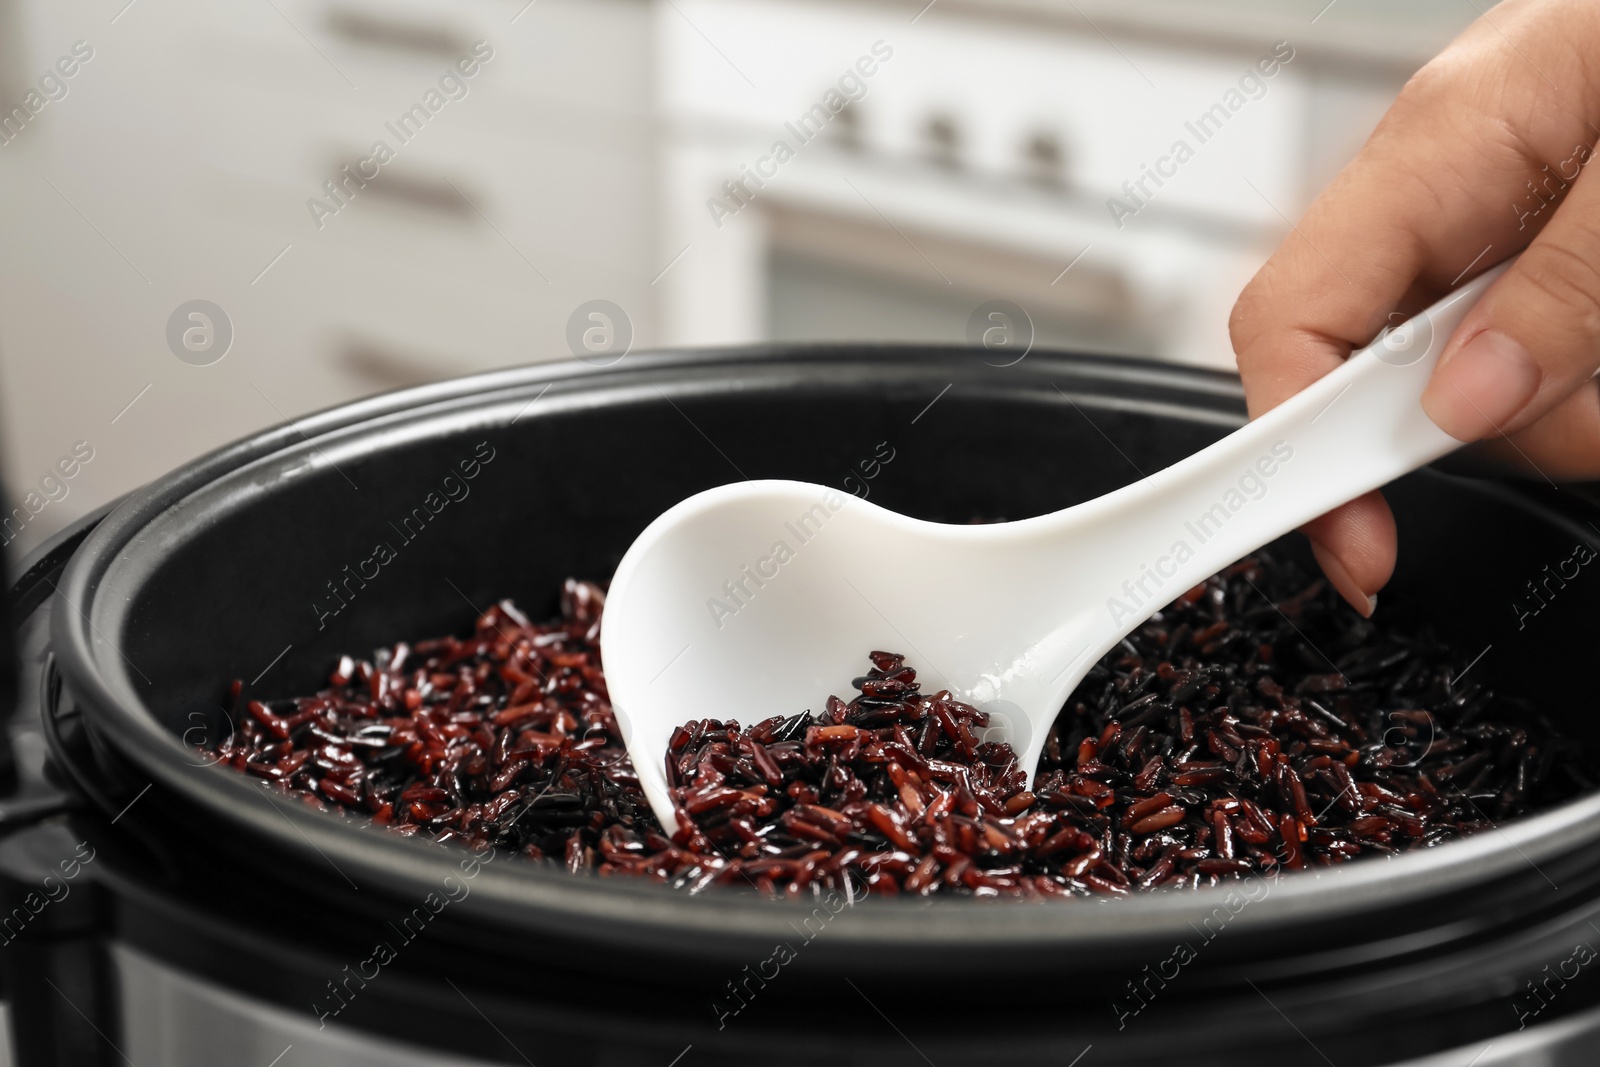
(1255,724)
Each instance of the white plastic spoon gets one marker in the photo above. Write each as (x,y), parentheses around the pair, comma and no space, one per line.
(762,598)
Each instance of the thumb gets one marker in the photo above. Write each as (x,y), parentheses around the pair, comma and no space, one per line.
(1535,335)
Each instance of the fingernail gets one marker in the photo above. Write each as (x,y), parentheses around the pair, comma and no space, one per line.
(1477,389)
(1364,602)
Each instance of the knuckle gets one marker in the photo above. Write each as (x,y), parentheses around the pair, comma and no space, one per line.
(1450,97)
(1434,79)
(1565,281)
(1252,312)
(1441,82)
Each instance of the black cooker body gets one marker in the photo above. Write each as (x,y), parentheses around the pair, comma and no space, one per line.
(187,585)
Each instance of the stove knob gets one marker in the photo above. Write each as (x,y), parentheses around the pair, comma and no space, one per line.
(941,139)
(1044,160)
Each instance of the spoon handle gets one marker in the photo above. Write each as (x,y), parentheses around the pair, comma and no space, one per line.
(1354,430)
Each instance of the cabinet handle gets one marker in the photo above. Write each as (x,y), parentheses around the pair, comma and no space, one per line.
(426,192)
(384,368)
(397,35)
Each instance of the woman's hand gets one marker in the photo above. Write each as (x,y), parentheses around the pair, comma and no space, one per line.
(1484,154)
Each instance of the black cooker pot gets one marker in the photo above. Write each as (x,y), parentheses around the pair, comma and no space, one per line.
(209,920)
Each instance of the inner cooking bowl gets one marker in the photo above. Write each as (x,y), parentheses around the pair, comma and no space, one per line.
(256,562)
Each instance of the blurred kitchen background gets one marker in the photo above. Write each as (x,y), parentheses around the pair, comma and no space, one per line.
(585,159)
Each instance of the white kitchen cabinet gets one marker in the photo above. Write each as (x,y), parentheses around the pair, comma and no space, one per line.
(179,166)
